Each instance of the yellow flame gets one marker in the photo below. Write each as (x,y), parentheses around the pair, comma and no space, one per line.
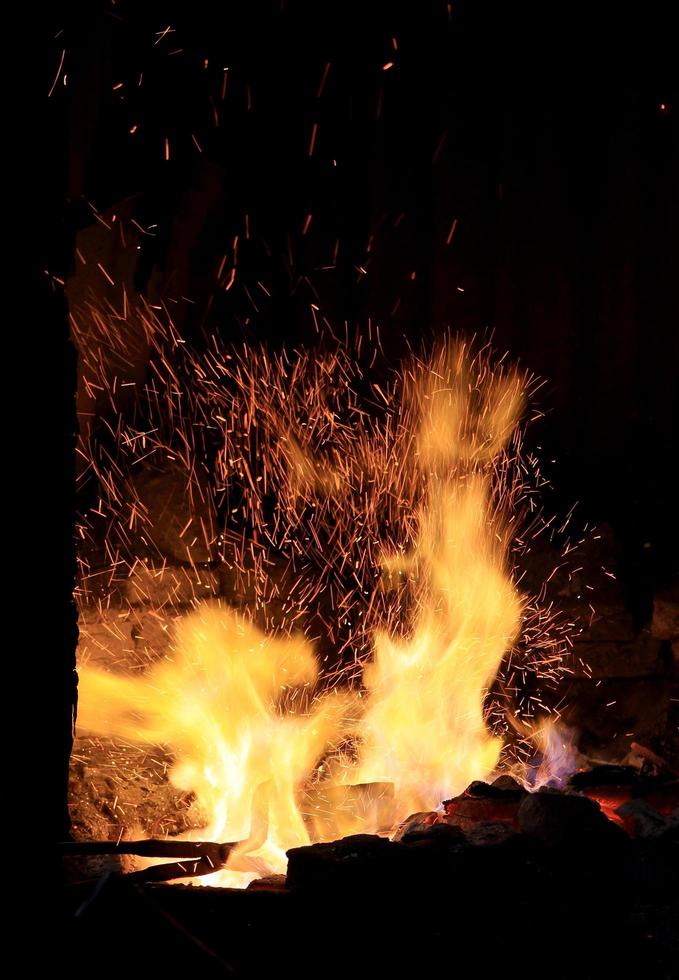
(237,707)
(218,704)
(424,727)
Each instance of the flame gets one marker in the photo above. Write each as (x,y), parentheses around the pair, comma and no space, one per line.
(233,706)
(556,755)
(424,727)
(420,493)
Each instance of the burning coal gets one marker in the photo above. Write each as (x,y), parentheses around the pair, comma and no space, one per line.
(390,521)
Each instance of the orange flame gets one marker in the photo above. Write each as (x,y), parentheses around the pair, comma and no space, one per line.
(219,704)
(424,726)
(239,708)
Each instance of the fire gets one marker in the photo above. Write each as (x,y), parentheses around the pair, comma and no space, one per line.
(400,521)
(234,707)
(424,726)
(556,754)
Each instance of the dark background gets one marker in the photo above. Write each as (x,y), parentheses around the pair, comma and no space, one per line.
(546,131)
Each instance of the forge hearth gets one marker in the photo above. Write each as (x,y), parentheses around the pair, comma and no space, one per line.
(544,876)
(355,352)
(621,691)
(217,701)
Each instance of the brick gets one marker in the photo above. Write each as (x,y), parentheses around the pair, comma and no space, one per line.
(642,658)
(153,633)
(665,619)
(107,638)
(170,585)
(609,624)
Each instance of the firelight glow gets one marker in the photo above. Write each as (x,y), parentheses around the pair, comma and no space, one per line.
(217,704)
(251,719)
(424,727)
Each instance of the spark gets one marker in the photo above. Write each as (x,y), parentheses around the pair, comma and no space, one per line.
(56,77)
(105,273)
(324,78)
(306,495)
(312,141)
(162,34)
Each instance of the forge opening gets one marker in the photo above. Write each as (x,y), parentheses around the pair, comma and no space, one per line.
(306,603)
(379,629)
